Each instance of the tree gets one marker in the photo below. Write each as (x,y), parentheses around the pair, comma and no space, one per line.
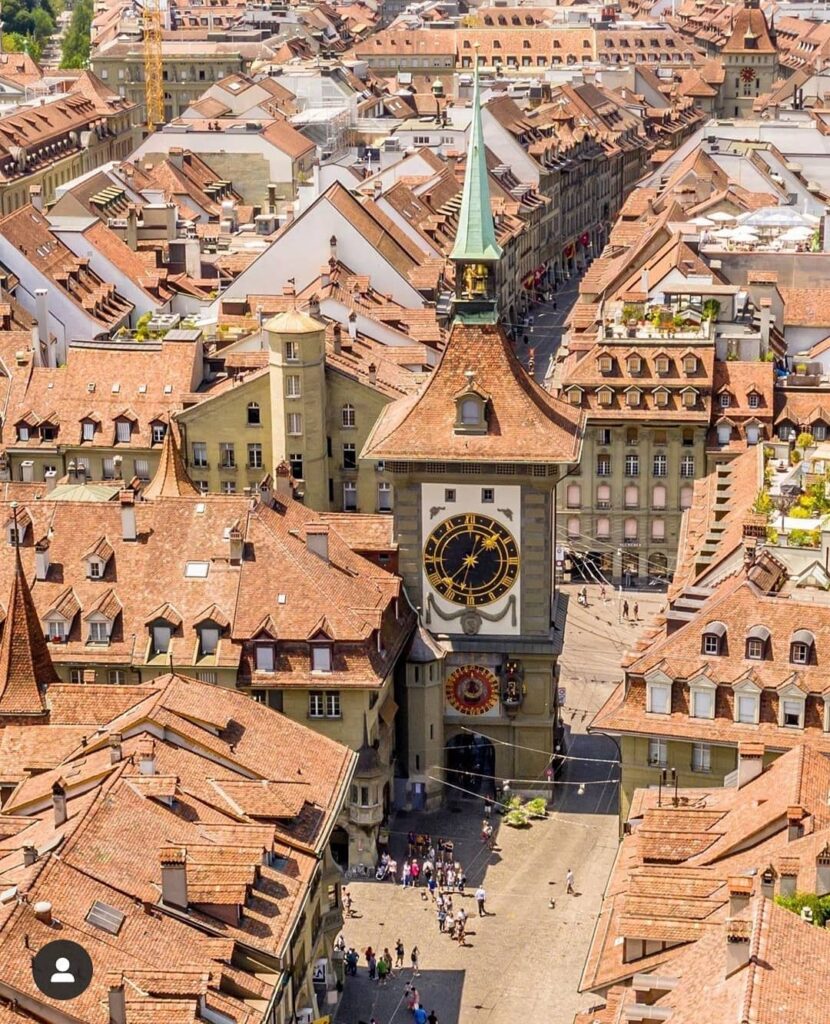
(804,440)
(76,41)
(819,905)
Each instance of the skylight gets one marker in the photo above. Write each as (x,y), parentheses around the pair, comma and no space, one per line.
(196,570)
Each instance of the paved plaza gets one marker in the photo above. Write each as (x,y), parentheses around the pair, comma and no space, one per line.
(522,962)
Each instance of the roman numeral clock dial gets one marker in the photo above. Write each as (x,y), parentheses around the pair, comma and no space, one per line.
(471,559)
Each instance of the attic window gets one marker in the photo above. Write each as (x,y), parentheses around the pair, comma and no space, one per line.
(142,389)
(88,429)
(470,410)
(105,917)
(196,570)
(168,389)
(321,658)
(116,388)
(662,365)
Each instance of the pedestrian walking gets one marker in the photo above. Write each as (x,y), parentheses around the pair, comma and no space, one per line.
(442,919)
(488,808)
(411,840)
(399,952)
(347,903)
(602,592)
(583,597)
(569,882)
(450,877)
(432,885)
(393,871)
(481,896)
(448,904)
(406,874)
(414,956)
(415,872)
(625,609)
(636,612)
(371,963)
(419,1015)
(431,854)
(461,933)
(462,879)
(432,1019)
(383,971)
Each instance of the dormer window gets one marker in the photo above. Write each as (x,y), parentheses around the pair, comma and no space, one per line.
(747,703)
(661,398)
(605,364)
(714,639)
(96,559)
(802,647)
(689,398)
(702,699)
(471,407)
(725,400)
(661,364)
(123,431)
(99,630)
(95,568)
(604,396)
(57,630)
(23,433)
(208,640)
(159,430)
(321,657)
(791,704)
(161,634)
(88,430)
(690,364)
(575,396)
(634,364)
(658,697)
(264,656)
(757,643)
(632,397)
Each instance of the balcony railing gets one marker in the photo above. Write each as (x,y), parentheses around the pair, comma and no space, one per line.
(370,815)
(603,504)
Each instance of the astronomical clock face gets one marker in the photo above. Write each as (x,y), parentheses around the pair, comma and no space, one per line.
(747,74)
(472,690)
(471,559)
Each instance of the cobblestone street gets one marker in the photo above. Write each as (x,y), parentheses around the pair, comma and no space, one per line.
(523,961)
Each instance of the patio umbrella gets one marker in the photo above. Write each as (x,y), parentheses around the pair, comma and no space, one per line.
(800,233)
(721,216)
(744,234)
(702,222)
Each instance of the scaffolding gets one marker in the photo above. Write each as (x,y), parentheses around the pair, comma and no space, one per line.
(153,80)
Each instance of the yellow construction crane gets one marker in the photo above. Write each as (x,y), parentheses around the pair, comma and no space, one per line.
(153,83)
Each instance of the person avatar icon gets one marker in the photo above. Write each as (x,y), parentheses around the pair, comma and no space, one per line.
(62,973)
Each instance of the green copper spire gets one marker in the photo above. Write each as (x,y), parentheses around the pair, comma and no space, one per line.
(476,236)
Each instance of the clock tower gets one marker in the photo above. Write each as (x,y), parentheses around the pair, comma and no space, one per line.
(475,457)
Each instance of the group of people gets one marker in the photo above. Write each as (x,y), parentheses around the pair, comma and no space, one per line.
(433,872)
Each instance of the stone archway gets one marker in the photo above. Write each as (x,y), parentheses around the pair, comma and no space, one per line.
(471,765)
(339,846)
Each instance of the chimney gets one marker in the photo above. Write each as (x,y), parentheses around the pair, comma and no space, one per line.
(325,276)
(372,373)
(43,911)
(644,280)
(42,559)
(317,540)
(117,1005)
(740,890)
(147,756)
(235,545)
(283,489)
(333,247)
(176,156)
(352,325)
(338,339)
(766,321)
(174,876)
(131,238)
(738,934)
(51,479)
(314,307)
(750,762)
(88,676)
(29,856)
(27,469)
(795,817)
(59,803)
(36,197)
(128,526)
(116,752)
(42,316)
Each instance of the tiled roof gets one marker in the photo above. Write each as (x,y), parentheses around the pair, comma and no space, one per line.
(171,964)
(524,422)
(25,666)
